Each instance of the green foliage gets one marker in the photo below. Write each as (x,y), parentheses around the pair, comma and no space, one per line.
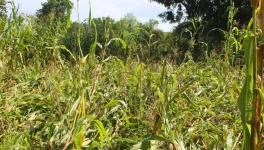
(191,40)
(246,95)
(3,10)
(112,105)
(58,10)
(212,12)
(251,96)
(107,84)
(23,37)
(124,38)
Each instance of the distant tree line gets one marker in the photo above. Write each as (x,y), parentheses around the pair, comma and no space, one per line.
(201,30)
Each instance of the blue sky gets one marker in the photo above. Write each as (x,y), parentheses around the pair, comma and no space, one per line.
(142,9)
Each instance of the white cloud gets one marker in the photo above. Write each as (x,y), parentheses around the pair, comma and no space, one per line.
(142,9)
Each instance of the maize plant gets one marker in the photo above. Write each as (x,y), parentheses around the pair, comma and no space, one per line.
(252,93)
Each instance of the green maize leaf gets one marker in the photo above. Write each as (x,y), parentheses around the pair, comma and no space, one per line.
(103,133)
(247,90)
(78,139)
(93,46)
(246,94)
(114,103)
(75,106)
(121,41)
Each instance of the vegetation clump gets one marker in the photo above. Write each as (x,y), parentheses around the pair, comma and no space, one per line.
(123,84)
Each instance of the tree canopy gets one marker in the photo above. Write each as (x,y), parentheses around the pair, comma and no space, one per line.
(213,12)
(59,9)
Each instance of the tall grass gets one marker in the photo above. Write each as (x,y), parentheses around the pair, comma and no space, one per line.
(93,102)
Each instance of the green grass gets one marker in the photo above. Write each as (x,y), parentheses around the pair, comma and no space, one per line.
(113,105)
(52,97)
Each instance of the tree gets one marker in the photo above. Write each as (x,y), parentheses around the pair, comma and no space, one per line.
(59,10)
(212,12)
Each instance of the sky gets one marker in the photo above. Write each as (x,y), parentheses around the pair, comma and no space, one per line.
(142,9)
